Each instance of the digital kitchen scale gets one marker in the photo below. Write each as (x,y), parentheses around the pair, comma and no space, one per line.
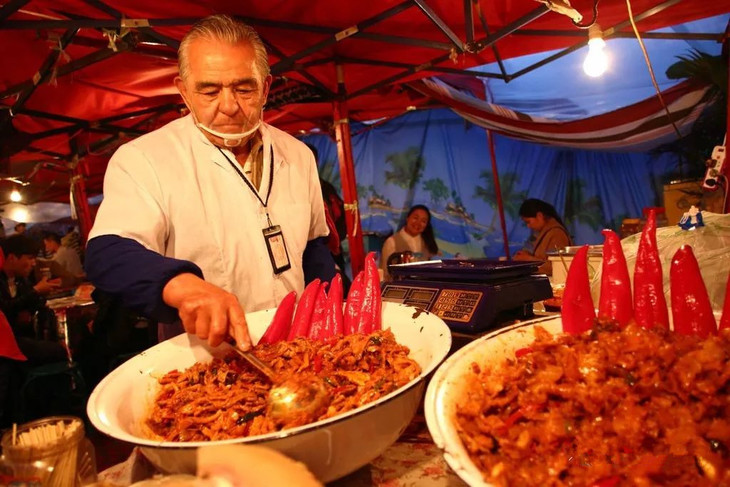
(470,295)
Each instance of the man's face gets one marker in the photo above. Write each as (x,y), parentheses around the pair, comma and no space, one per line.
(224,88)
(20,266)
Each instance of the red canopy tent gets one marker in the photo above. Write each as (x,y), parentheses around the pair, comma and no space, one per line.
(81,77)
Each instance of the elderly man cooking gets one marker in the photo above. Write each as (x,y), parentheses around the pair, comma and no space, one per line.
(216,212)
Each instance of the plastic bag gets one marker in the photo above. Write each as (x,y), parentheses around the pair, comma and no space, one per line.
(711,247)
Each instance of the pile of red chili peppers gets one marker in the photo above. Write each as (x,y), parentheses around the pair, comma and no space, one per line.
(319,314)
(691,309)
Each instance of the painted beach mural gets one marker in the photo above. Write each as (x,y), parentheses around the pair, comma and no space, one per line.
(437,159)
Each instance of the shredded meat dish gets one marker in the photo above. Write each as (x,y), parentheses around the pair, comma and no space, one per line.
(607,408)
(227,398)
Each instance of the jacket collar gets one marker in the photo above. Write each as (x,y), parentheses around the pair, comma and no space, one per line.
(206,146)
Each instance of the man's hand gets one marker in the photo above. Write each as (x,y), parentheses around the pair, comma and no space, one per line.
(207,310)
(45,285)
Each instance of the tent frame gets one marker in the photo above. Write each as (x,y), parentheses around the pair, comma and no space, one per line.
(144,34)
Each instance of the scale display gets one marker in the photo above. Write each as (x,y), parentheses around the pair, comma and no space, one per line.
(447,304)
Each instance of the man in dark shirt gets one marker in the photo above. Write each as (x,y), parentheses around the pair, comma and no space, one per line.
(20,300)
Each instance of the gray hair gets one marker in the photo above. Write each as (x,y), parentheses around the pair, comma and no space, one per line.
(227,29)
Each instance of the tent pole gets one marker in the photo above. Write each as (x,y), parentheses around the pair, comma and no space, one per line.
(726,40)
(81,202)
(347,176)
(498,192)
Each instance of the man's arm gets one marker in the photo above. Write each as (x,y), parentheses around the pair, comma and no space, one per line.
(125,256)
(165,289)
(126,269)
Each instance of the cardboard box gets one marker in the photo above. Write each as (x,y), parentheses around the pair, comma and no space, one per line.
(679,196)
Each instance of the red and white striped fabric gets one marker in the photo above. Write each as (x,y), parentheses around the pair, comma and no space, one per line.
(636,127)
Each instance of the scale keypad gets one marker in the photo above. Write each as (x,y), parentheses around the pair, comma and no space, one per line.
(456,305)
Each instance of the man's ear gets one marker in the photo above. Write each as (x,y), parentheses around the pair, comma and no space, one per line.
(267,85)
(180,85)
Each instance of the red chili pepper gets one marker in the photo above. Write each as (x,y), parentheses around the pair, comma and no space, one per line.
(510,421)
(333,317)
(725,320)
(303,314)
(354,304)
(372,278)
(616,301)
(650,307)
(319,315)
(317,363)
(611,481)
(278,330)
(691,308)
(578,313)
(371,303)
(521,352)
(513,418)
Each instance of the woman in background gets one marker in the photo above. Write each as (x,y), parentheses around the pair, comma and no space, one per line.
(549,233)
(416,236)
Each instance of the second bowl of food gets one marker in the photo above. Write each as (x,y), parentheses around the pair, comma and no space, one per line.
(528,405)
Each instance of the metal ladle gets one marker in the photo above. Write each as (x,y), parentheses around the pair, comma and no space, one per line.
(299,398)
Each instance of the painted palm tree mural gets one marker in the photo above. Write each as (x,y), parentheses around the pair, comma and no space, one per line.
(582,209)
(437,189)
(511,197)
(406,168)
(373,198)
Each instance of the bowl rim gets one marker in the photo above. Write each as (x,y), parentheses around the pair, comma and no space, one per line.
(437,422)
(439,354)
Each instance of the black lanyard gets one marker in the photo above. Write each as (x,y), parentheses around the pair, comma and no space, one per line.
(250,186)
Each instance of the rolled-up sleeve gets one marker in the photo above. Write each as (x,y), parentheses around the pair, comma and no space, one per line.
(125,269)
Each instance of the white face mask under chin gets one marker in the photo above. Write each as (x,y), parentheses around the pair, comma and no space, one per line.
(229,140)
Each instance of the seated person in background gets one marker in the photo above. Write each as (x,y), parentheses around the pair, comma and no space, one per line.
(65,256)
(549,233)
(415,236)
(72,240)
(20,300)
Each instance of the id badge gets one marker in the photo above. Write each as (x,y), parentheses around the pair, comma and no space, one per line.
(277,249)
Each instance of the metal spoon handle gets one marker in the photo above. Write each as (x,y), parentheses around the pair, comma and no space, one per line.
(256,362)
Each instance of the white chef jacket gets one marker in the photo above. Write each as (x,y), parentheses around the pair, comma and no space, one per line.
(175,193)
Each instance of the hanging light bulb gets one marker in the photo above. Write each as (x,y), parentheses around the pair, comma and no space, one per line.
(15,196)
(596,61)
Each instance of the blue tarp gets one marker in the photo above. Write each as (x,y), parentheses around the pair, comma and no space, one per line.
(436,158)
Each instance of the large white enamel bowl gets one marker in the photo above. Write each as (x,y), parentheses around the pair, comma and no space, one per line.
(330,448)
(449,382)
